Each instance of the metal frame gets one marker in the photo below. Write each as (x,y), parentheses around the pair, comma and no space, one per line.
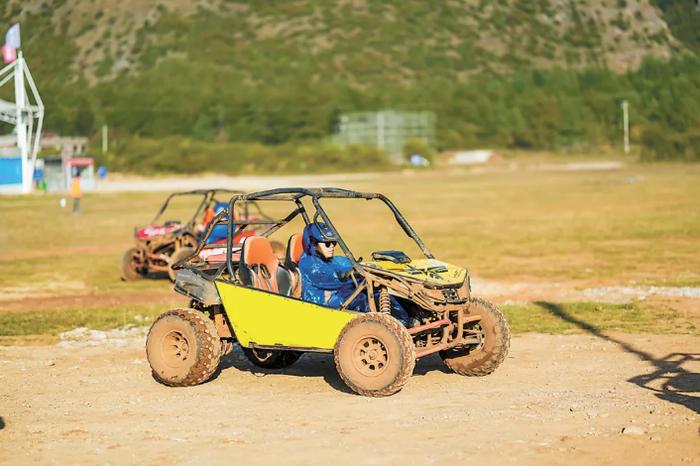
(446,323)
(207,196)
(297,194)
(22,114)
(156,253)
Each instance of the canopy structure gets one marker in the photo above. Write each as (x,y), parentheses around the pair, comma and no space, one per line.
(26,115)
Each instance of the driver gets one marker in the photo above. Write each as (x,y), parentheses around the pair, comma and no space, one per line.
(325,277)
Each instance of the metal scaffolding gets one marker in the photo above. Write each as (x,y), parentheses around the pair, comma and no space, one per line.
(26,117)
(389,130)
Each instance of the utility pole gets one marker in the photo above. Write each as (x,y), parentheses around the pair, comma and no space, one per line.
(626,125)
(105,140)
(22,118)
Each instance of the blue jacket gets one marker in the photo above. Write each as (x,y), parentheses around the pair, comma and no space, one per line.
(321,281)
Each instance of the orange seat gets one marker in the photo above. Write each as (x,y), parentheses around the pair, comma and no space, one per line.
(295,248)
(259,267)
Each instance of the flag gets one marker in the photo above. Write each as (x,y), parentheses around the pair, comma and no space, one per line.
(12,37)
(9,54)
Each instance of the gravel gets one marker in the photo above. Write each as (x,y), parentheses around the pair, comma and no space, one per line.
(83,336)
(633,430)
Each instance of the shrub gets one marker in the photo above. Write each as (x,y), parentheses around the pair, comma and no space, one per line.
(176,154)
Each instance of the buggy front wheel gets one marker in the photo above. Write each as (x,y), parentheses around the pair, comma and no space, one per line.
(493,335)
(374,355)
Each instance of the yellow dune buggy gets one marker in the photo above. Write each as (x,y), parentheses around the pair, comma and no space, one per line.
(242,293)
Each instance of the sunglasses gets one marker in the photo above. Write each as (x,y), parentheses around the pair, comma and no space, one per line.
(328,244)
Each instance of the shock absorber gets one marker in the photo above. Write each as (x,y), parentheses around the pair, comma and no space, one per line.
(384,301)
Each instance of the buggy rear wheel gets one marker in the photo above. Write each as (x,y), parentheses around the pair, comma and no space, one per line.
(177,256)
(271,359)
(493,334)
(183,348)
(374,355)
(132,266)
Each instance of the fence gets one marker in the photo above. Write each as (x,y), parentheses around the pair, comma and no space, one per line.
(389,130)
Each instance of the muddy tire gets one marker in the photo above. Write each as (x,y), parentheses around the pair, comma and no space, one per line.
(129,269)
(482,359)
(271,359)
(374,355)
(177,256)
(183,348)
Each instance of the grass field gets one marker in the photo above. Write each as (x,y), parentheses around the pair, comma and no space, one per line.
(639,225)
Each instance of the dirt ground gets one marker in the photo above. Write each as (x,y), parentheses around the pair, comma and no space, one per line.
(555,400)
(591,398)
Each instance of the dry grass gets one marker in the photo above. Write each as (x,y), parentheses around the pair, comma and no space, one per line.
(639,225)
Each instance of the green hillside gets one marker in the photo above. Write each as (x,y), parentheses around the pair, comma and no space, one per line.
(517,73)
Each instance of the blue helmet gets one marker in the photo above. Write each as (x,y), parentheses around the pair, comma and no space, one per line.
(219,206)
(316,233)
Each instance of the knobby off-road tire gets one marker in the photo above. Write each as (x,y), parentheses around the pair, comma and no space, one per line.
(374,355)
(183,348)
(177,256)
(128,269)
(271,359)
(485,358)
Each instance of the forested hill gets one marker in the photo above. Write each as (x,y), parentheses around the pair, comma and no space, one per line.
(283,70)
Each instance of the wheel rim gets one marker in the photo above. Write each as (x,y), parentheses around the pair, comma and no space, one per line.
(370,356)
(478,332)
(175,349)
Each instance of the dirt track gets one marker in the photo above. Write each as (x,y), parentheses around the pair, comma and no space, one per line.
(556,400)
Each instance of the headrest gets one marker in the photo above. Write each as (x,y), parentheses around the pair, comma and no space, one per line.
(257,250)
(295,248)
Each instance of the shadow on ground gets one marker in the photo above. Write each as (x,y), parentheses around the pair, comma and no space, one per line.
(670,380)
(431,363)
(316,365)
(2,423)
(309,365)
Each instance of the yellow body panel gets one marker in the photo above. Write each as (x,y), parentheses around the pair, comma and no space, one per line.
(429,270)
(269,319)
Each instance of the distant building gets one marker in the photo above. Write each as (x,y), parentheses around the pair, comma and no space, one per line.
(58,173)
(62,159)
(389,130)
(65,158)
(472,157)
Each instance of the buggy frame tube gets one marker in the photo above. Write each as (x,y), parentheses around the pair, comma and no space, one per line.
(208,195)
(295,194)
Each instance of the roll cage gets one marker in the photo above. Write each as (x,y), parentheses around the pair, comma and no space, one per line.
(208,196)
(295,196)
